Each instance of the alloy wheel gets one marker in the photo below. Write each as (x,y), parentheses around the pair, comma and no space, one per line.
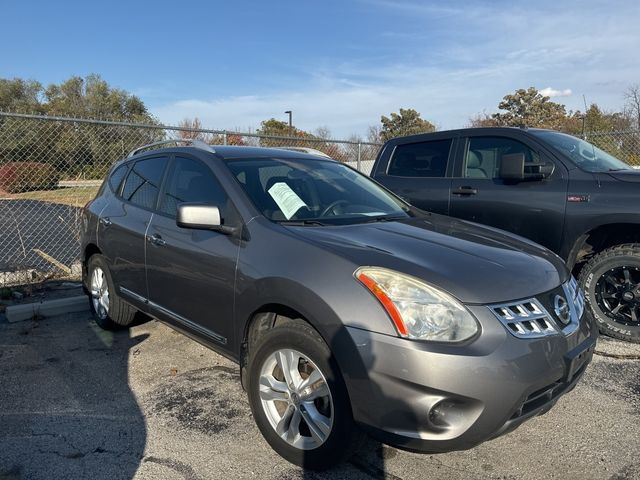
(100,293)
(296,399)
(617,293)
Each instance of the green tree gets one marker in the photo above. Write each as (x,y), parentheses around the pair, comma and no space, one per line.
(73,148)
(92,97)
(278,128)
(20,96)
(528,107)
(482,120)
(407,122)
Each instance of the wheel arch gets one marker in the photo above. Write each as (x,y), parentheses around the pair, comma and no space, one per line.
(264,318)
(285,300)
(89,250)
(600,238)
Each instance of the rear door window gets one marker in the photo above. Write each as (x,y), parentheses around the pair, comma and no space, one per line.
(143,182)
(115,180)
(423,159)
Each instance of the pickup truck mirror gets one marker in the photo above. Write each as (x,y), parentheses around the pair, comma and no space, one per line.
(513,167)
(202,217)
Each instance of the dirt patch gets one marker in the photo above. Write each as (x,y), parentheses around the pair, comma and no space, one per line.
(208,400)
(620,378)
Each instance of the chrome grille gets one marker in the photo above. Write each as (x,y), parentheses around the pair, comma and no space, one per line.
(530,319)
(575,293)
(525,319)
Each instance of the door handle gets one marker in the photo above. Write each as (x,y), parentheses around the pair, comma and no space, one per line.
(465,191)
(156,240)
(105,221)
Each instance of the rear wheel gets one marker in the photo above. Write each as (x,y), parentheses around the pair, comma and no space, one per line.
(109,310)
(611,282)
(298,397)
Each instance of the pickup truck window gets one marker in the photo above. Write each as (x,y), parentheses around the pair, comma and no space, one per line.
(483,155)
(423,159)
(586,156)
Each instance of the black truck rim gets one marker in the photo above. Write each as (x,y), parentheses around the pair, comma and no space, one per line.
(617,293)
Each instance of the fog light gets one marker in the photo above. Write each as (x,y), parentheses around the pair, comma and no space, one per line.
(446,414)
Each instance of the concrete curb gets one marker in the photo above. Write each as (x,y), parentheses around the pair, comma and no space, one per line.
(47,308)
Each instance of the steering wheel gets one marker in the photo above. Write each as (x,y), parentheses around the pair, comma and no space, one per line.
(333,205)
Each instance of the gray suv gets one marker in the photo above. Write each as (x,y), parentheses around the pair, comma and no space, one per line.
(347,309)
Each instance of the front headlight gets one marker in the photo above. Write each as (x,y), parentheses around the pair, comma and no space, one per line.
(419,311)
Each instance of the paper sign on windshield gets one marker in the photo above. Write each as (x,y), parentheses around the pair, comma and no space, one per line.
(288,201)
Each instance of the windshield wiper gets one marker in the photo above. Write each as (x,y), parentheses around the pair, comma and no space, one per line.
(302,223)
(384,218)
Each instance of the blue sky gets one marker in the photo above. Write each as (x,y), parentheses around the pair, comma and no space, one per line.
(335,64)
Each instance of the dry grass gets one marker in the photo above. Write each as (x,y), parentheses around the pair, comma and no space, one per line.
(74,196)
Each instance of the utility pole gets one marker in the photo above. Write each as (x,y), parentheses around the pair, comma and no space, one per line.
(290,113)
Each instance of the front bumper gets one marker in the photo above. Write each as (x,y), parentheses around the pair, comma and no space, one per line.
(428,397)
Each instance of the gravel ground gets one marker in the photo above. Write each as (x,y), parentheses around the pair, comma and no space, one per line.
(149,403)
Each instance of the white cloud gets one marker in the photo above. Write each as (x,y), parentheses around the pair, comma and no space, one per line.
(552,92)
(460,70)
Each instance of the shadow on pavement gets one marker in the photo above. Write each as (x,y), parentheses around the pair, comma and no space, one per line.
(67,409)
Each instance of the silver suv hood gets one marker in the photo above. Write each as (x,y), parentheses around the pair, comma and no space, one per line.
(476,264)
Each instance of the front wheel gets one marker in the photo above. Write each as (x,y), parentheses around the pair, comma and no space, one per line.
(298,397)
(611,282)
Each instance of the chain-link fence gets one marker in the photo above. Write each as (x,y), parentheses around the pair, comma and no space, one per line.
(623,145)
(50,167)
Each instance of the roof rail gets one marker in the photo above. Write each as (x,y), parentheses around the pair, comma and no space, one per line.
(189,141)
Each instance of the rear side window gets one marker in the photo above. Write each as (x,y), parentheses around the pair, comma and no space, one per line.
(191,181)
(143,182)
(115,180)
(424,159)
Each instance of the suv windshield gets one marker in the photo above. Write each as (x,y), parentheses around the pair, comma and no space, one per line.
(310,191)
(586,156)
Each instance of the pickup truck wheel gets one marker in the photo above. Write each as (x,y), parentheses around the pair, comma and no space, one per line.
(109,311)
(298,398)
(611,282)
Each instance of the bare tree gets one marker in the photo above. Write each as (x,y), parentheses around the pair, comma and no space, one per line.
(191,132)
(632,104)
(323,132)
(373,134)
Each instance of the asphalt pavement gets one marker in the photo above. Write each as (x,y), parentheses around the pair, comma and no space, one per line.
(77,402)
(30,225)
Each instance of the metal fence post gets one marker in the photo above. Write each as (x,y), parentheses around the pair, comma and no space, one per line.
(224,138)
(359,161)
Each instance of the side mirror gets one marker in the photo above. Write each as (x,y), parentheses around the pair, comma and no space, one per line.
(514,168)
(202,217)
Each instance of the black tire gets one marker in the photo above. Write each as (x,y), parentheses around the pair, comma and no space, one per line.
(344,436)
(608,264)
(119,314)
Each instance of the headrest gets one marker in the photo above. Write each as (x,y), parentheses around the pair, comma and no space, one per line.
(473,159)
